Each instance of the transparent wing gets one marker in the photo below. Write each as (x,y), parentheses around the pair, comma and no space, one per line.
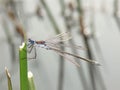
(68,58)
(59,38)
(73,46)
(76,56)
(58,45)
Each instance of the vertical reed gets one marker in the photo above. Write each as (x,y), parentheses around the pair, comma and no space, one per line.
(57,30)
(23,67)
(71,42)
(86,43)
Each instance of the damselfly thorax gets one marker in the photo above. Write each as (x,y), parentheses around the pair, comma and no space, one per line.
(41,44)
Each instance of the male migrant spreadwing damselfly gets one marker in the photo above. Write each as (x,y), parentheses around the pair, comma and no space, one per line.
(55,43)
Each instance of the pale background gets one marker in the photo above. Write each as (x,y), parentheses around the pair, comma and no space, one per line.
(45,68)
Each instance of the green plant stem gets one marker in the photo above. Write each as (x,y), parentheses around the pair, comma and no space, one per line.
(116,7)
(117,19)
(23,67)
(62,7)
(31,81)
(53,22)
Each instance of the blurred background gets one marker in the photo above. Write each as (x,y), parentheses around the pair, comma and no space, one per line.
(93,24)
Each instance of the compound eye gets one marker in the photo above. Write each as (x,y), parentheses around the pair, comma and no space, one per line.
(29,39)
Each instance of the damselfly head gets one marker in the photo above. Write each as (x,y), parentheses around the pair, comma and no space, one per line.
(31,41)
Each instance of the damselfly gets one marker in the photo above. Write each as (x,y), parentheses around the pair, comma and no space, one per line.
(55,44)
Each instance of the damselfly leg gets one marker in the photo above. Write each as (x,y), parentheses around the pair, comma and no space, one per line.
(30,49)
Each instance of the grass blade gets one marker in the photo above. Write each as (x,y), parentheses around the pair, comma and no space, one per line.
(23,67)
(31,81)
(9,79)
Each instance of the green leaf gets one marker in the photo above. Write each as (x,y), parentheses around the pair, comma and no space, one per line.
(23,67)
(31,81)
